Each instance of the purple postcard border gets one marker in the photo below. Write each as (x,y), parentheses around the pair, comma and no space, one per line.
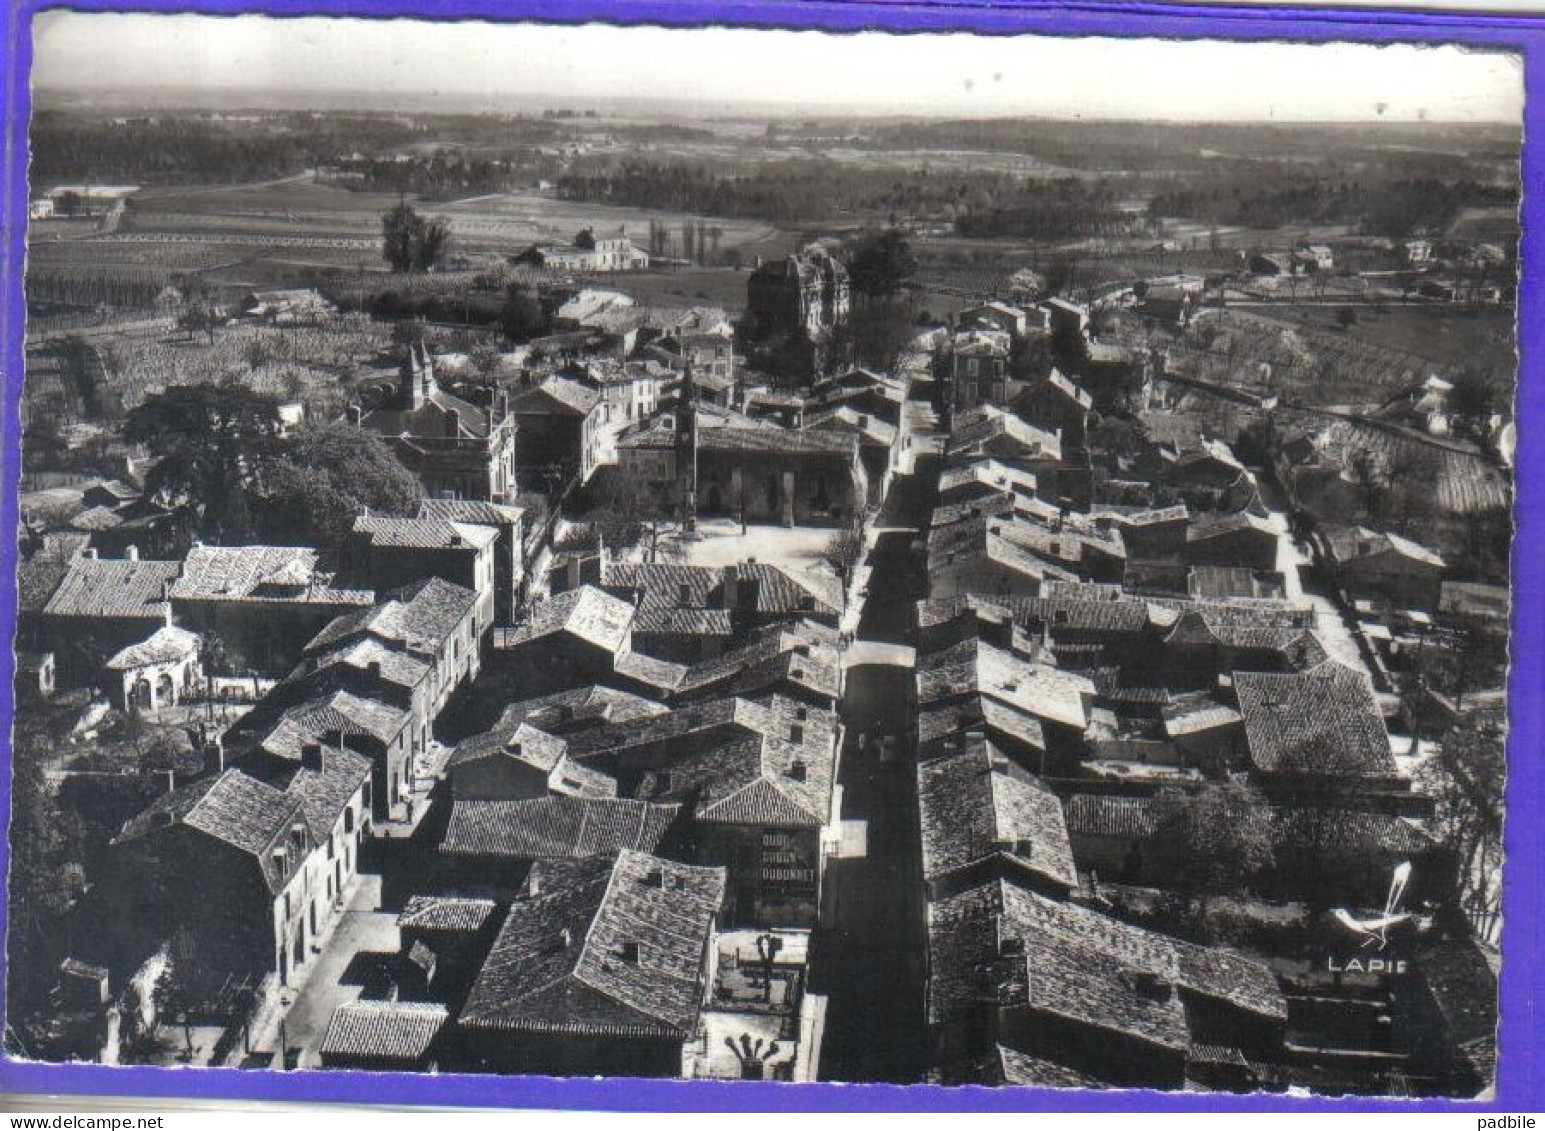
(1519,1085)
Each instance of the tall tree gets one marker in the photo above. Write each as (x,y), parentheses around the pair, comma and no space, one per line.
(1221,838)
(409,242)
(325,475)
(209,439)
(882,265)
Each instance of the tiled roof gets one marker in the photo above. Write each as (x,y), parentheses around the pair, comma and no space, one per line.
(550,828)
(475,511)
(1096,814)
(563,711)
(937,725)
(1353,831)
(1226,976)
(668,620)
(521,743)
(385,1030)
(1222,526)
(797,655)
(604,950)
(97,518)
(38,576)
(324,794)
(341,711)
(1462,982)
(1320,721)
(361,654)
(232,808)
(997,945)
(445,913)
(165,645)
(984,473)
(587,612)
(423,533)
(420,617)
(260,573)
(1194,716)
(973,806)
(974,666)
(1358,542)
(556,394)
(1006,1066)
(114,588)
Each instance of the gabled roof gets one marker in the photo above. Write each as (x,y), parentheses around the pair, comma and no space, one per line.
(339,711)
(324,794)
(446,914)
(165,645)
(423,533)
(113,588)
(420,617)
(260,573)
(1320,721)
(605,949)
(384,1030)
(556,395)
(232,808)
(588,613)
(973,666)
(1358,543)
(475,511)
(1225,525)
(972,807)
(555,828)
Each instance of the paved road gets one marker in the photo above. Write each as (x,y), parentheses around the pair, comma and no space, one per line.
(869,960)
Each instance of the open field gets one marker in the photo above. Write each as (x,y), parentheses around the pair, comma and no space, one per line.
(1448,337)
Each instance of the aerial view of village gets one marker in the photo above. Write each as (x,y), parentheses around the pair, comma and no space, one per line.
(596,580)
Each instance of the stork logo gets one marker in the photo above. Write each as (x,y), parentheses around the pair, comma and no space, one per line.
(1373,932)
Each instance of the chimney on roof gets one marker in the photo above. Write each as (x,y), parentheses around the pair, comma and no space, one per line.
(374,669)
(452,423)
(131,552)
(89,552)
(214,756)
(798,770)
(311,756)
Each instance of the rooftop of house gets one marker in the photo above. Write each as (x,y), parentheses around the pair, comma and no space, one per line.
(421,617)
(555,828)
(384,1030)
(337,712)
(990,430)
(261,573)
(975,667)
(167,644)
(364,654)
(423,533)
(975,805)
(114,588)
(474,511)
(556,396)
(968,478)
(579,708)
(588,613)
(1358,543)
(232,808)
(324,793)
(690,586)
(446,914)
(997,943)
(1222,526)
(1322,721)
(602,949)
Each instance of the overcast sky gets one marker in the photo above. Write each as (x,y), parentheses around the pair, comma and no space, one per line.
(491,65)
